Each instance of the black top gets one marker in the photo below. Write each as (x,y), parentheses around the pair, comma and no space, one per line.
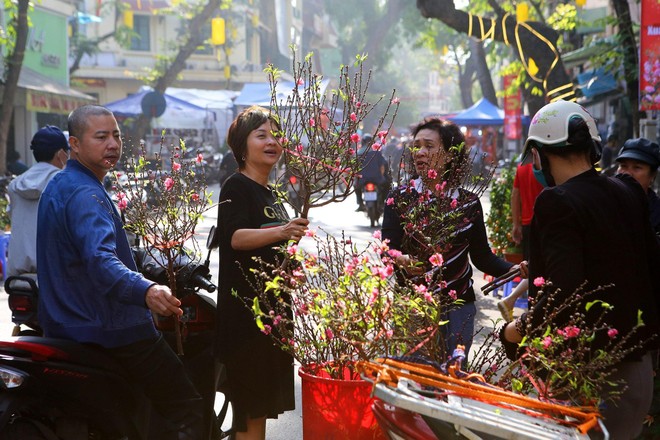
(654,208)
(252,206)
(596,229)
(468,239)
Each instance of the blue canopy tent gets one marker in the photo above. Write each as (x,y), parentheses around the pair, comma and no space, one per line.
(483,112)
(178,114)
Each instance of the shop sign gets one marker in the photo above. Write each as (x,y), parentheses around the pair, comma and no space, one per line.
(649,60)
(48,103)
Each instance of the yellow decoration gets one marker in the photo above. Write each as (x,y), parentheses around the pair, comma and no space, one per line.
(128,19)
(255,19)
(580,3)
(227,72)
(522,11)
(218,31)
(445,50)
(532,68)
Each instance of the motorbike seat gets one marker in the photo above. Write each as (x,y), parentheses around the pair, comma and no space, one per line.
(66,351)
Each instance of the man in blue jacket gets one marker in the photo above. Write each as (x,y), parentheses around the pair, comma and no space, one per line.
(90,290)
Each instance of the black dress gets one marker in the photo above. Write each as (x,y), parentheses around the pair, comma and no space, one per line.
(259,375)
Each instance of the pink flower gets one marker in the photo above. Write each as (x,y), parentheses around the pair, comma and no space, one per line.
(299,148)
(312,122)
(376,235)
(310,233)
(569,332)
(432,174)
(389,333)
(394,253)
(194,197)
(452,294)
(396,101)
(374,296)
(292,249)
(328,334)
(389,201)
(353,117)
(300,82)
(376,146)
(199,158)
(169,184)
(277,319)
(176,166)
(436,260)
(453,204)
(420,288)
(267,329)
(386,271)
(612,333)
(539,281)
(547,342)
(122,204)
(355,138)
(382,135)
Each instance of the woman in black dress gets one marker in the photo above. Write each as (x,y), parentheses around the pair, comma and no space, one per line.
(252,223)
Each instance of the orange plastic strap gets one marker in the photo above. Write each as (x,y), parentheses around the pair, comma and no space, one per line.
(389,371)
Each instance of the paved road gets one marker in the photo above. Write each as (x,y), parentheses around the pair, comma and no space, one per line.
(333,219)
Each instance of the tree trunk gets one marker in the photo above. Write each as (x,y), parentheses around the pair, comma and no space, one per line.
(195,38)
(534,43)
(381,28)
(14,64)
(483,73)
(465,79)
(630,59)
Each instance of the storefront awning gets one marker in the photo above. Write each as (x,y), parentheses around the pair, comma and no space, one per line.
(47,96)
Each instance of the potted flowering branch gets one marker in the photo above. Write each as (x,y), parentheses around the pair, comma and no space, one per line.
(163,207)
(319,150)
(499,221)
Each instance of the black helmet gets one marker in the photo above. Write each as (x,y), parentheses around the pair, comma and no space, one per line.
(641,149)
(366,140)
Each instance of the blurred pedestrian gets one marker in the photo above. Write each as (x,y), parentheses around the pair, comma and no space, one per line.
(640,158)
(50,148)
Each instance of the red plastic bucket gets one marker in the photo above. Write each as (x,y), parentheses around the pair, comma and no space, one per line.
(334,409)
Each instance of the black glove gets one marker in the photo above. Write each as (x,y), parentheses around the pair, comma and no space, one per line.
(510,348)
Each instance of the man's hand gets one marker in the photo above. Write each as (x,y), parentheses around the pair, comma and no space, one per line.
(160,300)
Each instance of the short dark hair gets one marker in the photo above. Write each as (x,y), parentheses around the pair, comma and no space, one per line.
(77,121)
(245,123)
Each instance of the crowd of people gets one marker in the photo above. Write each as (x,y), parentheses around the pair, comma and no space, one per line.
(562,209)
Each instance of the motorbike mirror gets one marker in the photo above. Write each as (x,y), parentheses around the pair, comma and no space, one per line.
(213,239)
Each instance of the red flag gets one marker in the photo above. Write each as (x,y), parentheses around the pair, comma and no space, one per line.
(512,110)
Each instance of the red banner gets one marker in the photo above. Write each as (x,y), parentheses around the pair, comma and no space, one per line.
(512,111)
(649,60)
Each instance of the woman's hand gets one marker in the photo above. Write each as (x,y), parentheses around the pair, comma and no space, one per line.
(295,229)
(409,265)
(524,269)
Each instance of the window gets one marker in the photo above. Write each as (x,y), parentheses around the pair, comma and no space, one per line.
(205,48)
(142,41)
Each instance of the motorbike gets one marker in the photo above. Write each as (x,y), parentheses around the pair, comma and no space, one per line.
(60,389)
(372,202)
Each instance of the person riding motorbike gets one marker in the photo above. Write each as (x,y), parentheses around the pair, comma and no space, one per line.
(373,169)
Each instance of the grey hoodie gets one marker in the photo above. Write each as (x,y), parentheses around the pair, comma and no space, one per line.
(24,193)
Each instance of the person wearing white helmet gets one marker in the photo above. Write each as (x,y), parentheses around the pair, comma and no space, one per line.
(571,216)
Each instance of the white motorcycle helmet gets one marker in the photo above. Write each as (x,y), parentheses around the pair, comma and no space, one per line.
(549,127)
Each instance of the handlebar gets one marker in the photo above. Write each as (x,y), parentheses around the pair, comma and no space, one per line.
(200,281)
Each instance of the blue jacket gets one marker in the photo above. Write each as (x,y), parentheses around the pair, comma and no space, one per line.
(89,288)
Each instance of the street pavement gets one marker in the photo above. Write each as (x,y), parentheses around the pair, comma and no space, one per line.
(334,219)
